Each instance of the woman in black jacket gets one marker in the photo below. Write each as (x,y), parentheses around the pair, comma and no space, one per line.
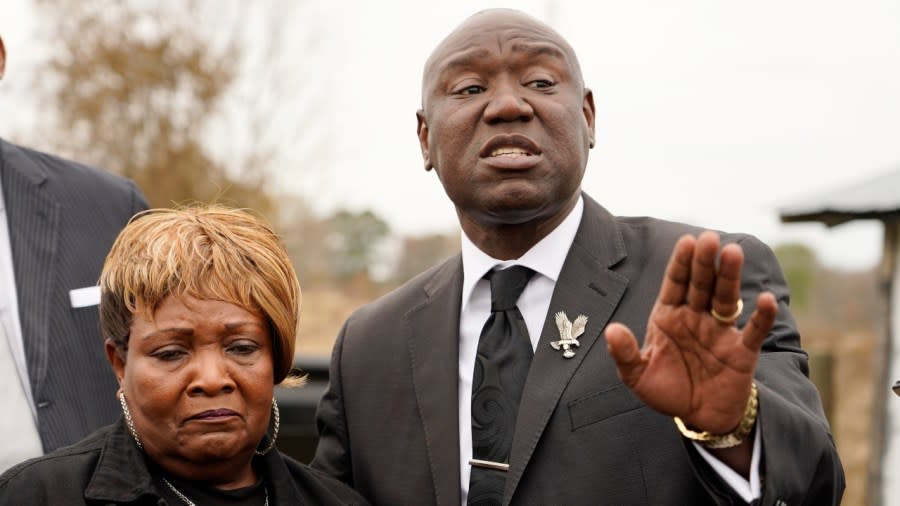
(199,311)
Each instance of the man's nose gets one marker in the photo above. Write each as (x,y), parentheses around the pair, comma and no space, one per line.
(210,374)
(508,103)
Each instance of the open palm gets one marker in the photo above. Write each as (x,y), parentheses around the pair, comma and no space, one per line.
(693,365)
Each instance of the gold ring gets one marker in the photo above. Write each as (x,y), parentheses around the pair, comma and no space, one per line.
(731,318)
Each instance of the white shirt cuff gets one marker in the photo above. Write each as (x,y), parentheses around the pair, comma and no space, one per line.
(748,490)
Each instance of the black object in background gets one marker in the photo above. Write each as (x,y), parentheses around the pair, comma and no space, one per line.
(298,435)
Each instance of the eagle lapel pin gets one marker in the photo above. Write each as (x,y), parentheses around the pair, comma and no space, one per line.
(568,333)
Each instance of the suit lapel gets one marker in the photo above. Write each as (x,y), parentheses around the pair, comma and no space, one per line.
(587,286)
(33,218)
(434,354)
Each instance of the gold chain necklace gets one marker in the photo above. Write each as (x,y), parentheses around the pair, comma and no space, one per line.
(191,503)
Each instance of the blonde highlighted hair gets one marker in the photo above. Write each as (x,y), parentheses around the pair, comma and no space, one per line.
(208,252)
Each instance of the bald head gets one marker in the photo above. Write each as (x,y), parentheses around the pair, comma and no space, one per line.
(510,23)
(506,123)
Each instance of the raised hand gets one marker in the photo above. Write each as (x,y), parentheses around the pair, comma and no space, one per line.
(695,363)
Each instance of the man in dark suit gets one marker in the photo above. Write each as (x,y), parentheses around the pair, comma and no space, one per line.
(58,219)
(709,404)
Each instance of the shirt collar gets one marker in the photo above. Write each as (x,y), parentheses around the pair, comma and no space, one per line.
(121,474)
(545,258)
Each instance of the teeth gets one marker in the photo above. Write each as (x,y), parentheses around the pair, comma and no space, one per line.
(508,152)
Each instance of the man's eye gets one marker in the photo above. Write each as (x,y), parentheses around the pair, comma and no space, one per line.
(471,90)
(541,84)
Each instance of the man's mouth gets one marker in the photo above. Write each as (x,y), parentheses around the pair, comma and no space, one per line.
(509,145)
(509,151)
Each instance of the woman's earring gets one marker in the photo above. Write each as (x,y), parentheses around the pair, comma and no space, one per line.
(128,420)
(277,421)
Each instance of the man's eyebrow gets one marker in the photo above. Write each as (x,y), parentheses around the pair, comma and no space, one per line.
(539,49)
(463,59)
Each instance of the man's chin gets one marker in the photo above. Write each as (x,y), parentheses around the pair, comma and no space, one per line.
(519,214)
(521,208)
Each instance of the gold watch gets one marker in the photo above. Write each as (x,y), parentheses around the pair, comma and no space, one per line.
(733,438)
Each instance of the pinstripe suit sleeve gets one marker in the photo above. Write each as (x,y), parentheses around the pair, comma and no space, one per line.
(63,218)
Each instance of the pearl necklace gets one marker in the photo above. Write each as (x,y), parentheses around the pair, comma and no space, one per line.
(191,503)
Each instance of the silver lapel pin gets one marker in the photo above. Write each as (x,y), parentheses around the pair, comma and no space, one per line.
(568,333)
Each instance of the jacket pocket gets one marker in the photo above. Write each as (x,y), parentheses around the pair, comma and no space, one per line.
(601,405)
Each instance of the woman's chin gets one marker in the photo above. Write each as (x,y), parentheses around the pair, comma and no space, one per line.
(217,447)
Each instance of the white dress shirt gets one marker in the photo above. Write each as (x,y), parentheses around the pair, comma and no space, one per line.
(546,259)
(18,416)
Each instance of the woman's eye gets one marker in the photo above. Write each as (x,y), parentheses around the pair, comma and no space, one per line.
(243,348)
(169,354)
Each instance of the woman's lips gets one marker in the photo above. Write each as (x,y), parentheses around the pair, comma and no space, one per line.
(213,414)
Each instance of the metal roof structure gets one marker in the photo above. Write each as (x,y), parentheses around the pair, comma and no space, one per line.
(877,198)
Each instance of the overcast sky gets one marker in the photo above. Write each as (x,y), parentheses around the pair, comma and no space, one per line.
(715,113)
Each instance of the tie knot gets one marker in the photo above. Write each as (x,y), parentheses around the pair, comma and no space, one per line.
(507,286)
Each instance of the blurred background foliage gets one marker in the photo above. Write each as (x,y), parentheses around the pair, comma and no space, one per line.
(136,92)
(193,115)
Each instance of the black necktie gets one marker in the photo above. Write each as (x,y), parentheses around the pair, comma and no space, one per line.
(501,366)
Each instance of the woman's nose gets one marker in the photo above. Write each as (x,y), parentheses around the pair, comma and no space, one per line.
(210,373)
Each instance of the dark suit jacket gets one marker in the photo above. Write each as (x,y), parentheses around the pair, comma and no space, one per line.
(63,217)
(389,423)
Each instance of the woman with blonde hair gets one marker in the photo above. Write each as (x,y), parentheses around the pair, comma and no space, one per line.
(199,311)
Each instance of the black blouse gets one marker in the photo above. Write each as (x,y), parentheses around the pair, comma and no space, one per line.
(201,494)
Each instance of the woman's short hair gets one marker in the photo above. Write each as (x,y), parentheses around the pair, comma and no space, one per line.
(208,252)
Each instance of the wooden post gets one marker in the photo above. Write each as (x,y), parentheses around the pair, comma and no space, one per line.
(877,490)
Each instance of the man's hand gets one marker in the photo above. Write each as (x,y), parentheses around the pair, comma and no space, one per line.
(693,365)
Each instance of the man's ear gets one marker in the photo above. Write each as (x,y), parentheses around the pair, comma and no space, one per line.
(587,108)
(422,132)
(116,359)
(2,58)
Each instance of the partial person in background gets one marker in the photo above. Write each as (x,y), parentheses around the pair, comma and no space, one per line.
(199,310)
(57,221)
(500,377)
